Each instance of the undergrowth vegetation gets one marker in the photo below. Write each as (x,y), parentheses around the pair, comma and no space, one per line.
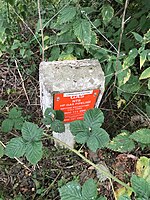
(117,34)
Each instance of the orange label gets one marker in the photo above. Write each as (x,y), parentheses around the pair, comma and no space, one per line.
(75,104)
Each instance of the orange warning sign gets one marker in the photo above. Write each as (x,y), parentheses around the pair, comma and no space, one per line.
(75,104)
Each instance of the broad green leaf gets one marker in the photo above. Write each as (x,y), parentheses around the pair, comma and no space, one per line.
(107,13)
(18,123)
(15,147)
(50,113)
(143,168)
(138,37)
(59,115)
(122,143)
(82,30)
(99,139)
(55,53)
(123,193)
(47,121)
(124,197)
(1,150)
(89,190)
(93,117)
(145,74)
(133,53)
(31,132)
(15,113)
(7,125)
(78,126)
(143,56)
(82,137)
(67,14)
(142,136)
(141,187)
(58,126)
(34,152)
(71,191)
(119,1)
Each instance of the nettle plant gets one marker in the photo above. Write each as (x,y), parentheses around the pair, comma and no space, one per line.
(86,131)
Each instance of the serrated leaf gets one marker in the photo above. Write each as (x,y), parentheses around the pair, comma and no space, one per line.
(15,147)
(67,14)
(143,56)
(34,152)
(93,117)
(122,143)
(78,126)
(58,126)
(59,115)
(141,187)
(89,190)
(1,150)
(71,191)
(123,193)
(15,113)
(31,132)
(47,121)
(99,139)
(82,137)
(7,125)
(107,13)
(138,37)
(145,74)
(141,135)
(18,123)
(82,30)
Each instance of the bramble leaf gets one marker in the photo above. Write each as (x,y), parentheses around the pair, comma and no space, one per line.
(7,125)
(15,147)
(141,135)
(31,132)
(122,143)
(67,14)
(89,190)
(34,152)
(93,117)
(58,126)
(78,126)
(82,30)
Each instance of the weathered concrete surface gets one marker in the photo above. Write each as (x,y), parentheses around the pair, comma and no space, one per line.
(69,76)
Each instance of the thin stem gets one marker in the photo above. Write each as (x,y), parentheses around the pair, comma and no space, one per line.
(41,28)
(89,162)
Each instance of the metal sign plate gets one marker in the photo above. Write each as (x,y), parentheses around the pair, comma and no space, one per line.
(75,104)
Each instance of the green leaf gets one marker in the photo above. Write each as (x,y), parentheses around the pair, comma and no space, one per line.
(107,13)
(82,30)
(145,74)
(82,137)
(15,113)
(58,126)
(67,14)
(109,72)
(89,190)
(124,197)
(1,150)
(15,147)
(141,187)
(148,84)
(47,121)
(71,191)
(7,125)
(34,152)
(99,139)
(11,2)
(18,123)
(78,126)
(119,1)
(138,37)
(31,132)
(122,143)
(142,136)
(93,117)
(133,53)
(143,56)
(60,115)
(50,113)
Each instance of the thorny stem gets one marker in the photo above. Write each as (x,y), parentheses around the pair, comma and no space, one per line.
(109,175)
